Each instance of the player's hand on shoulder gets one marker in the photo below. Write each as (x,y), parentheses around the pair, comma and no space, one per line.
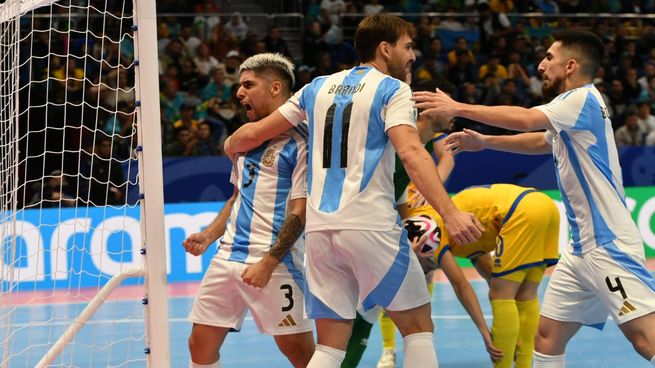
(196,244)
(259,274)
(466,140)
(463,227)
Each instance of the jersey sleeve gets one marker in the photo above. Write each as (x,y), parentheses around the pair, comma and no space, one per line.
(442,248)
(400,109)
(438,136)
(299,175)
(548,137)
(563,111)
(292,109)
(234,175)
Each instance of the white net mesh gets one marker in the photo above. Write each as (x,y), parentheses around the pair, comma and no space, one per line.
(69,220)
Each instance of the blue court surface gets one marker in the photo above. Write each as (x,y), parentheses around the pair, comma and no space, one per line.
(457,341)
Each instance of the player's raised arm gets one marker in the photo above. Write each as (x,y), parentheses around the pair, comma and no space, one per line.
(252,135)
(446,162)
(463,227)
(508,117)
(533,143)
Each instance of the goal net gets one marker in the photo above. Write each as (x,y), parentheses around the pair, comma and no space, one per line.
(81,221)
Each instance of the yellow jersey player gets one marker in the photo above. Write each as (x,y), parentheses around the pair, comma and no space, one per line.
(522,232)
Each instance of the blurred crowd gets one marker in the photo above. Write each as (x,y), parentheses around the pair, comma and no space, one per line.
(484,52)
(77,73)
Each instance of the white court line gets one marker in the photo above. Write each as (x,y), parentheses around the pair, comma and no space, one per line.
(184,320)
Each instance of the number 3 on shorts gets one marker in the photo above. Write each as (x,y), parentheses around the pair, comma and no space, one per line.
(288,295)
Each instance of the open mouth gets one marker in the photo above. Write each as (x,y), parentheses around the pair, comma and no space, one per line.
(247,107)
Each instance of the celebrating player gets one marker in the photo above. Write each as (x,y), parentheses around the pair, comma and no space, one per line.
(357,252)
(259,262)
(604,270)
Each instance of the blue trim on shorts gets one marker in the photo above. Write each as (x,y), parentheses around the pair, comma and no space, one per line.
(522,267)
(629,264)
(515,204)
(295,272)
(388,287)
(598,326)
(316,309)
(441,254)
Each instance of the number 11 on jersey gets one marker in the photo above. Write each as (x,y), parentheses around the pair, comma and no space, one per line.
(327,135)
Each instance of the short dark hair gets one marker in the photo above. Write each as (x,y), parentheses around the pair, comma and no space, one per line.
(379,28)
(585,45)
(275,63)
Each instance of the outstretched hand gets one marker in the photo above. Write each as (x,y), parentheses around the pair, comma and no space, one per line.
(463,227)
(435,104)
(466,140)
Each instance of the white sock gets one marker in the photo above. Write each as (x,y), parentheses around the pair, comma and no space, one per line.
(326,357)
(216,364)
(419,351)
(652,360)
(548,361)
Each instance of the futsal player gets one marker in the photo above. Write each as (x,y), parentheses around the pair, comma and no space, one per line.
(603,272)
(356,118)
(258,266)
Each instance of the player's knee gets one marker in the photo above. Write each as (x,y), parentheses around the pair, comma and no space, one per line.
(298,351)
(195,344)
(200,349)
(642,344)
(415,326)
(541,343)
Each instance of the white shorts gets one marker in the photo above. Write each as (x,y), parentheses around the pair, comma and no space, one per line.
(223,299)
(611,279)
(349,267)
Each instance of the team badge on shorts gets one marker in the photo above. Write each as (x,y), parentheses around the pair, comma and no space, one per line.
(269,158)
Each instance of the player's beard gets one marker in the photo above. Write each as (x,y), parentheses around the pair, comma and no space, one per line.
(399,70)
(552,88)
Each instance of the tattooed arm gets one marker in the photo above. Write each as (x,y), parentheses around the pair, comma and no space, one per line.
(259,274)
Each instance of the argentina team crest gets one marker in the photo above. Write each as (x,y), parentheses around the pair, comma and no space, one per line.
(269,157)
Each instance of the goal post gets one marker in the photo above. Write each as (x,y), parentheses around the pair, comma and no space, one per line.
(152,208)
(82,246)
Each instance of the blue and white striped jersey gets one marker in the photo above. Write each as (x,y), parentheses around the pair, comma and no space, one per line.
(267,177)
(588,171)
(351,159)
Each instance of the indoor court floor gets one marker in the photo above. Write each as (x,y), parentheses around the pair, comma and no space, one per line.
(457,341)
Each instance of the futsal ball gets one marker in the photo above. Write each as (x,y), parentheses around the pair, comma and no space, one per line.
(416,226)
